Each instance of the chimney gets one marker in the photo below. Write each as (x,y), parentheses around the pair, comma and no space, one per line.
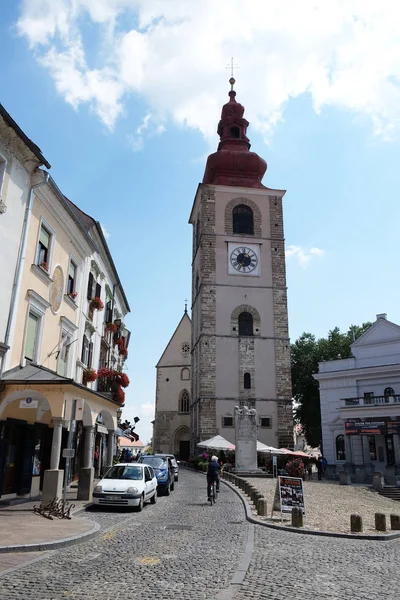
(381,316)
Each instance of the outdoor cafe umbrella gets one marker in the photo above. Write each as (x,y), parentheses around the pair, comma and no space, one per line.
(270,449)
(217,442)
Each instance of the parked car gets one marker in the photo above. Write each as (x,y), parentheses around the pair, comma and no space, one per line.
(174,462)
(126,484)
(163,470)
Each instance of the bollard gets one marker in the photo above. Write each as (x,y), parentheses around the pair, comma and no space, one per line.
(395,522)
(297,517)
(356,524)
(380,522)
(262,507)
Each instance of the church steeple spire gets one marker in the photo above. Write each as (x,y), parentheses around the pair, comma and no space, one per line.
(233,163)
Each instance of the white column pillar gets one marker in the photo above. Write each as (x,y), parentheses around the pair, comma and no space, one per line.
(88,447)
(56,443)
(110,448)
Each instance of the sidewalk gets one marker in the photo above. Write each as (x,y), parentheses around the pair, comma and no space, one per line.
(22,530)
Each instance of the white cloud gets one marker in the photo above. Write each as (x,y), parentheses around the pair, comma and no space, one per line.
(345,53)
(303,255)
(147,128)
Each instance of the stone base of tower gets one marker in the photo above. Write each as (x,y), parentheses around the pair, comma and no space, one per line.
(285,423)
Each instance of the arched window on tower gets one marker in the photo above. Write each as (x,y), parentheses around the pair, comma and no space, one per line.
(245,323)
(243,220)
(234,132)
(184,402)
(340,449)
(247,381)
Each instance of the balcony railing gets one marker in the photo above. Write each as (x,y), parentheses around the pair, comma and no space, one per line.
(371,401)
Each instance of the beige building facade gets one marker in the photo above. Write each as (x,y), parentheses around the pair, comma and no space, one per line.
(66,323)
(240,340)
(171,429)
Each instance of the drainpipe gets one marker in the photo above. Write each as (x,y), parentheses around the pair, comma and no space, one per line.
(21,258)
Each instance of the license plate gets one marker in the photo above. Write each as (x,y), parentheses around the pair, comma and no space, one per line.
(112,497)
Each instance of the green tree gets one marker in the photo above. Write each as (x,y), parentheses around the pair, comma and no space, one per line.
(306,353)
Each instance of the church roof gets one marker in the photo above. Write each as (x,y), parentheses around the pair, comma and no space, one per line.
(233,163)
(184,320)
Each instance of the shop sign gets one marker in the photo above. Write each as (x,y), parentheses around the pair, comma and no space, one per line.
(28,403)
(380,426)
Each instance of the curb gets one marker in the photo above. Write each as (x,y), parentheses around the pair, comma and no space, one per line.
(384,537)
(60,543)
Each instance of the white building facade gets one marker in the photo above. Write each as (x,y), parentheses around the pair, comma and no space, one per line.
(360,406)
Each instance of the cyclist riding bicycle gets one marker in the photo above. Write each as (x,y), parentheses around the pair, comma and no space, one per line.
(213,471)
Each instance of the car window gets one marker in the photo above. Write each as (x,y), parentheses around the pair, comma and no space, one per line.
(153,461)
(151,472)
(124,472)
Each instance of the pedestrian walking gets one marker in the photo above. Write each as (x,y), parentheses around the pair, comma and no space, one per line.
(309,470)
(319,468)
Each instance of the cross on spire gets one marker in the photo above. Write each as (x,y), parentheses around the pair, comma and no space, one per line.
(232,66)
(186,306)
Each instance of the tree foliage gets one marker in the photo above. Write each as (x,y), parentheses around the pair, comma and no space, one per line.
(306,353)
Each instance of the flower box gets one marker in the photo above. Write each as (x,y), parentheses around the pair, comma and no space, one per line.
(96,303)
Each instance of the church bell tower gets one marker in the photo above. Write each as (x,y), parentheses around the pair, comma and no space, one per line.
(240,340)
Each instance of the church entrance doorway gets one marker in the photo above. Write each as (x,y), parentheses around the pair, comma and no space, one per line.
(184,450)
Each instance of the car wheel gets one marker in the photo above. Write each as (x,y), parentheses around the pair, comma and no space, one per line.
(172,486)
(167,490)
(153,499)
(139,507)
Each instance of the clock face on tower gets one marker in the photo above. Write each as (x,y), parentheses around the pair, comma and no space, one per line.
(243,259)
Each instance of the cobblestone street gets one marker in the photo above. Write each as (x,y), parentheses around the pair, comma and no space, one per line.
(181,548)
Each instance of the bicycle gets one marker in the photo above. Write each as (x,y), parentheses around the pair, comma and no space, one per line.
(213,493)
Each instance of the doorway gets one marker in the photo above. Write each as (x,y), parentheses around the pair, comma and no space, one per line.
(184,450)
(390,450)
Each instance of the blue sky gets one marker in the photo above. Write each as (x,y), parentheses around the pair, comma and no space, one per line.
(124,96)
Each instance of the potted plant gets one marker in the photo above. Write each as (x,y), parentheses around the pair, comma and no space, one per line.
(72,295)
(111,327)
(96,303)
(43,265)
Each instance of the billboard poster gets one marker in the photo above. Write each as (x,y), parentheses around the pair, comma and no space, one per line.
(291,494)
(372,427)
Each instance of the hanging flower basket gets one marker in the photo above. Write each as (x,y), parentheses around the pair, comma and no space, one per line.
(89,375)
(96,303)
(111,327)
(119,396)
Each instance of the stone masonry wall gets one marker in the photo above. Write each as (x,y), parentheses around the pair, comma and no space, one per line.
(282,342)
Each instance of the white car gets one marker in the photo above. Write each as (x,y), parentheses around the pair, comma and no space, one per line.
(126,484)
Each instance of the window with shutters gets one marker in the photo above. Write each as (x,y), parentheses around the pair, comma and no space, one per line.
(90,287)
(227,421)
(97,292)
(245,323)
(108,315)
(31,338)
(71,281)
(85,351)
(44,247)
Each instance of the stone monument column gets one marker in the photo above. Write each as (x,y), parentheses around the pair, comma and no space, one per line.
(246,440)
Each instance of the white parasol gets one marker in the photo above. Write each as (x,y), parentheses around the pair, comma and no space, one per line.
(217,442)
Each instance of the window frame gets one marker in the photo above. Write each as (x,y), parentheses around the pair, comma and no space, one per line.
(338,451)
(246,334)
(72,261)
(260,421)
(50,250)
(247,381)
(183,371)
(184,400)
(68,329)
(242,228)
(224,425)
(37,306)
